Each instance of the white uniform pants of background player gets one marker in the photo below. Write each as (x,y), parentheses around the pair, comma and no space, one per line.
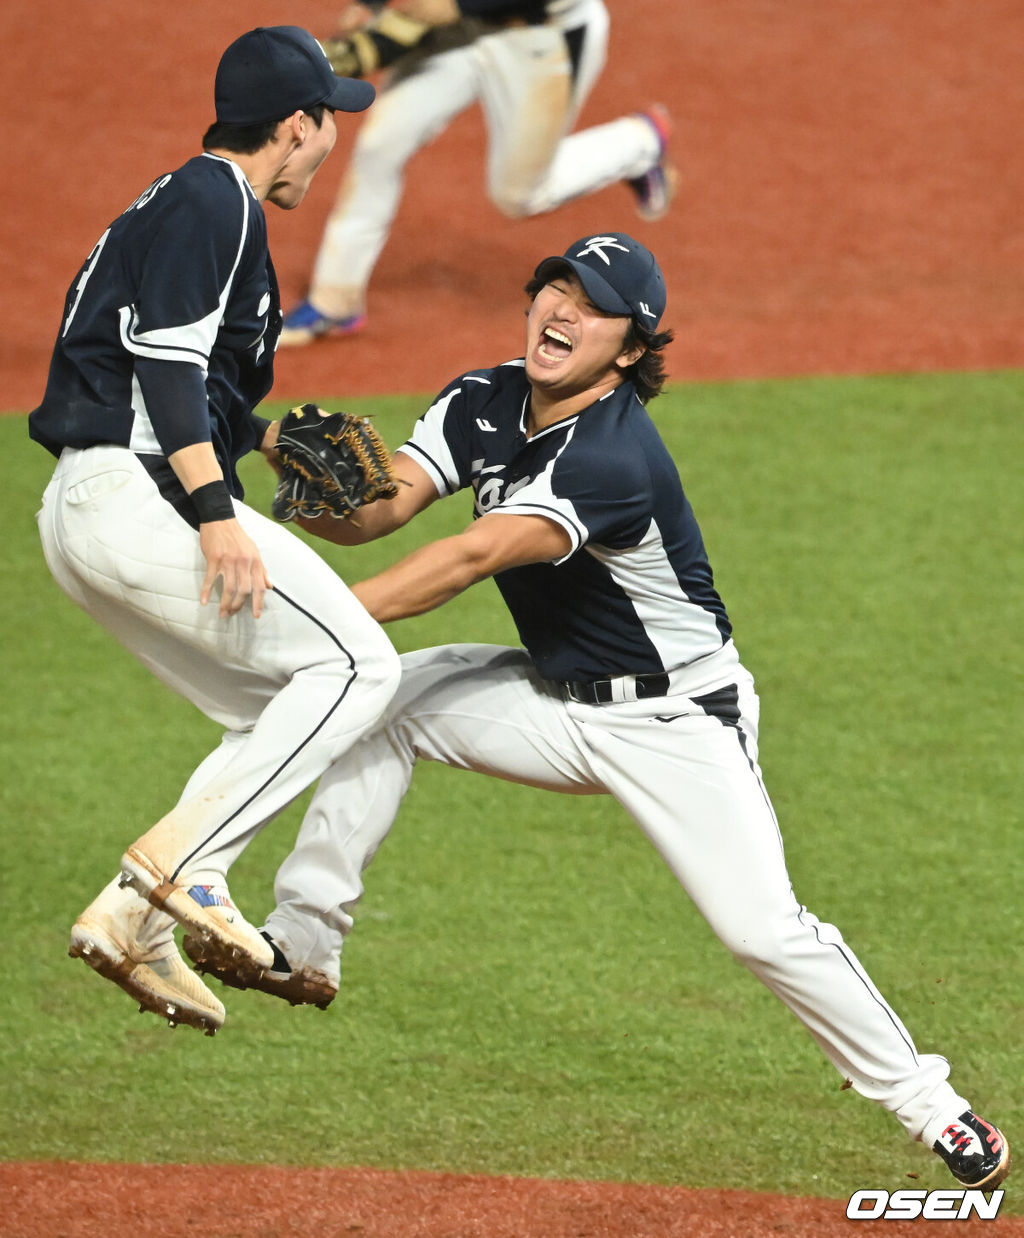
(293,689)
(523,79)
(687,776)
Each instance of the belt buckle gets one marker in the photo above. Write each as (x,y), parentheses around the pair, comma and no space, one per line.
(586,693)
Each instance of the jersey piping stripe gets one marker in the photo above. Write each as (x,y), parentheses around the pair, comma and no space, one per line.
(284,764)
(149,343)
(550,513)
(446,476)
(567,424)
(193,341)
(723,705)
(433,468)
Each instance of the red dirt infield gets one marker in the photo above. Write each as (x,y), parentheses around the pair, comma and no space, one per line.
(180,1201)
(851,202)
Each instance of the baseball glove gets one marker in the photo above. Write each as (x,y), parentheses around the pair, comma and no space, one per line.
(330,464)
(386,38)
(393,40)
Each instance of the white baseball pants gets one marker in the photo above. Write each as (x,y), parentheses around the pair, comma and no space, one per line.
(522,78)
(687,773)
(293,689)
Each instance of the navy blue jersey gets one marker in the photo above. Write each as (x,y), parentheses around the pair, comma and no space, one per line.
(183,276)
(635,594)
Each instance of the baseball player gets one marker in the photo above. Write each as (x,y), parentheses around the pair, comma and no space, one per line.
(531,65)
(629,682)
(165,348)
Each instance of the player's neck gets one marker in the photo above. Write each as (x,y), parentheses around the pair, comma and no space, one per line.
(260,168)
(546,408)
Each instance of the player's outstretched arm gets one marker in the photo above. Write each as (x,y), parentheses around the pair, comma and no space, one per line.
(436,573)
(416,491)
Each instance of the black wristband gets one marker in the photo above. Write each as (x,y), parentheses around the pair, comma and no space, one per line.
(212,502)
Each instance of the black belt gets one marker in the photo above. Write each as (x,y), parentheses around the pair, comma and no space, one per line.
(599,691)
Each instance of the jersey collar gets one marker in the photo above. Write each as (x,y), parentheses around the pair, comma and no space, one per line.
(239,175)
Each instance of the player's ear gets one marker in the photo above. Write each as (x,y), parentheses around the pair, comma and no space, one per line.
(295,127)
(630,356)
(632,348)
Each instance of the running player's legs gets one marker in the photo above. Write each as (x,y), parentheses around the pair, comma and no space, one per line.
(296,686)
(691,781)
(526,91)
(531,94)
(403,119)
(476,707)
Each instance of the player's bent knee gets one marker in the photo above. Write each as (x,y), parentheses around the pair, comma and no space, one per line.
(381,673)
(519,205)
(512,209)
(364,681)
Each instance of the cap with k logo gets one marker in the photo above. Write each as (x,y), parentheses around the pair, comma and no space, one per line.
(618,274)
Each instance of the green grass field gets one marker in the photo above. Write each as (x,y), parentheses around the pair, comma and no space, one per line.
(527,991)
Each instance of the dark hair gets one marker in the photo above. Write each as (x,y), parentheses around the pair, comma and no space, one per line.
(648,374)
(248,139)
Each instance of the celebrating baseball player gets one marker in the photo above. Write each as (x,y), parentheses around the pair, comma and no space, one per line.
(165,348)
(531,64)
(629,682)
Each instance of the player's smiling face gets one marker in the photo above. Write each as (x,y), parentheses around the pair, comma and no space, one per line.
(572,347)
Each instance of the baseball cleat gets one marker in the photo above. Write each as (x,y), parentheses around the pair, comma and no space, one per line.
(656,188)
(305,323)
(158,979)
(975,1153)
(206,912)
(301,986)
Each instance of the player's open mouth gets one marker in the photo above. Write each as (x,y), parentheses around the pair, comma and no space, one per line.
(554,344)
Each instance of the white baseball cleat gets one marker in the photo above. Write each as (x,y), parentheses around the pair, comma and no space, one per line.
(115,937)
(206,912)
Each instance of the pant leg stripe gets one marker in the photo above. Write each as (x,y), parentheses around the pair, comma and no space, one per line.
(333,636)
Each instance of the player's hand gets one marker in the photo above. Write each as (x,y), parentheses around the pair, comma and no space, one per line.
(429,12)
(232,555)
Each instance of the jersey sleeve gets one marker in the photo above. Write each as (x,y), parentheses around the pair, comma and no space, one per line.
(195,249)
(440,441)
(595,495)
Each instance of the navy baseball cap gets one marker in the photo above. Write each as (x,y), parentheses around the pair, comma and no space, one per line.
(272,71)
(618,274)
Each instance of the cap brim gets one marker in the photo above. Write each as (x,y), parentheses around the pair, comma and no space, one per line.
(602,294)
(350,94)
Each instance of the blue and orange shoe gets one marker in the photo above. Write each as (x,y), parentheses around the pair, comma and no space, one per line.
(655,190)
(305,323)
